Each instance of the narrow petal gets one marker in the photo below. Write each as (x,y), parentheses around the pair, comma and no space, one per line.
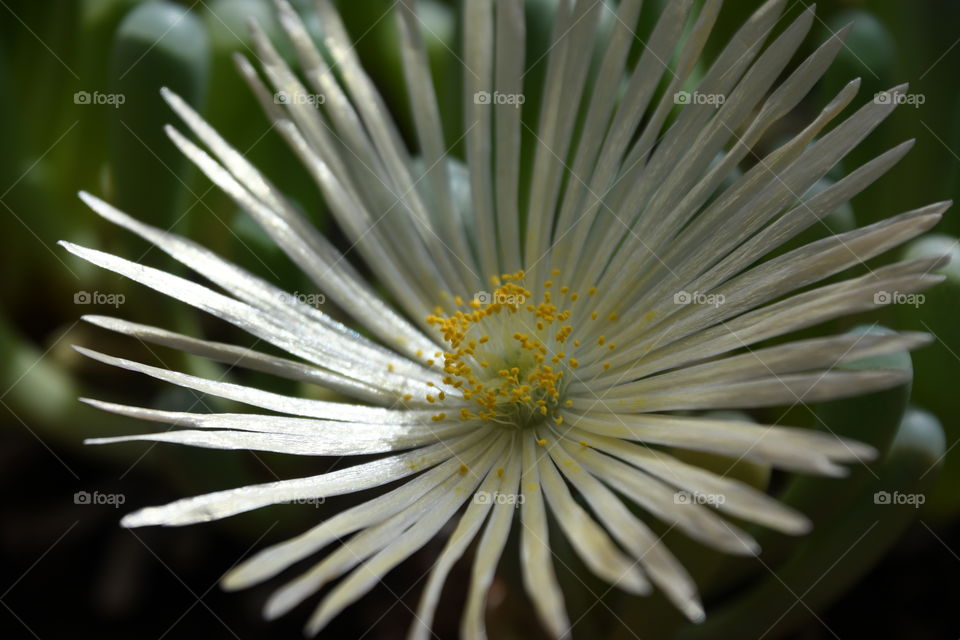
(221,504)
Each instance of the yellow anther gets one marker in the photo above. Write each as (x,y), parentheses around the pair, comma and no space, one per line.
(463,469)
(531,384)
(390,368)
(601,340)
(613,317)
(591,291)
(542,442)
(439,417)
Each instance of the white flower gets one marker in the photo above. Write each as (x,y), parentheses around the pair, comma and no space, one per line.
(533,355)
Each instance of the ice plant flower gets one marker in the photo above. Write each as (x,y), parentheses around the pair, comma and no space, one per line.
(545,339)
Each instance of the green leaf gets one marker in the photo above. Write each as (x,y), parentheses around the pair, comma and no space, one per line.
(838,553)
(938,366)
(158,44)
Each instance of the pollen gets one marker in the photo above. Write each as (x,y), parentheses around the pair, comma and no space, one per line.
(507,354)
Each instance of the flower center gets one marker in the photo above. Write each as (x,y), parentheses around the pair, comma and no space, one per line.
(510,356)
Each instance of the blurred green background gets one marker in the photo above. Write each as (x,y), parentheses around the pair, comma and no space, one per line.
(80,109)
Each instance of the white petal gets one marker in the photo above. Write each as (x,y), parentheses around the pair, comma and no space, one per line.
(245,317)
(221,504)
(237,356)
(305,245)
(505,483)
(794,449)
(267,400)
(738,499)
(442,500)
(589,540)
(771,391)
(305,434)
(271,561)
(489,550)
(536,562)
(350,345)
(477,118)
(697,521)
(792,357)
(635,536)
